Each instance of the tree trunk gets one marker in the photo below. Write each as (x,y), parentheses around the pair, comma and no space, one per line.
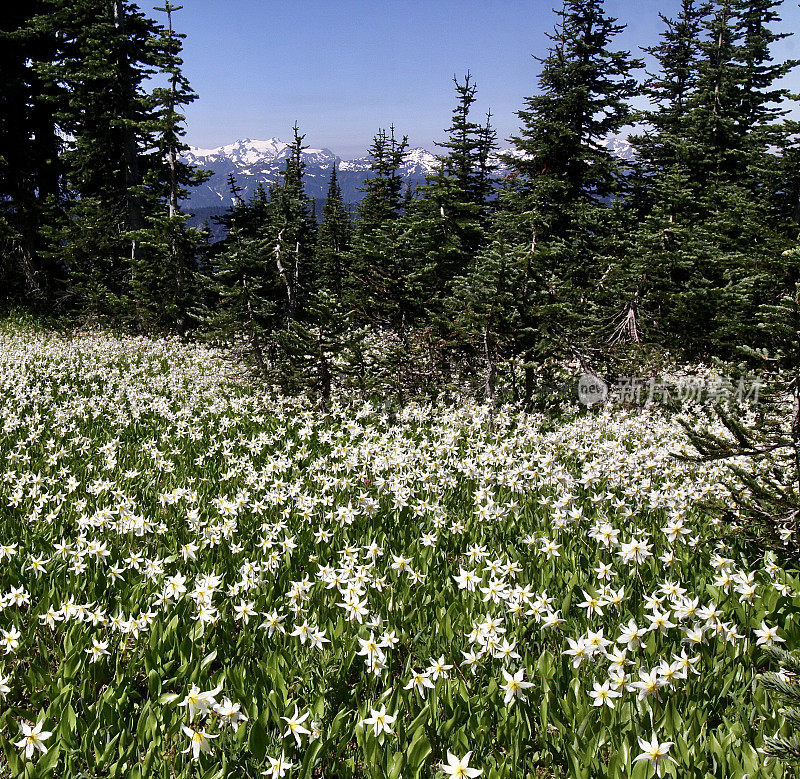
(288,281)
(491,369)
(324,373)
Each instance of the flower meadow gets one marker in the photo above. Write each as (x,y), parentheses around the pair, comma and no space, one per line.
(202,579)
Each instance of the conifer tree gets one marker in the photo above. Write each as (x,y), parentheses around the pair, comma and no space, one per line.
(320,348)
(671,281)
(749,211)
(333,241)
(382,190)
(313,348)
(484,185)
(29,153)
(380,282)
(566,187)
(785,690)
(108,117)
(767,501)
(710,211)
(164,284)
(292,231)
(447,220)
(484,308)
(244,299)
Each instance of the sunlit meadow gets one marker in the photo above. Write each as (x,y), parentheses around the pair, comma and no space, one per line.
(204,579)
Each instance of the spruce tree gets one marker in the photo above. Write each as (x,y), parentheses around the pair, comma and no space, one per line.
(765,505)
(315,347)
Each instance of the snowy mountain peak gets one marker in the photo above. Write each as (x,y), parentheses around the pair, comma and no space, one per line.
(253,162)
(420,158)
(620,147)
(250,151)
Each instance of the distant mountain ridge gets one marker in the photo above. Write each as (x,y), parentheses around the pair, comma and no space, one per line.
(261,161)
(253,162)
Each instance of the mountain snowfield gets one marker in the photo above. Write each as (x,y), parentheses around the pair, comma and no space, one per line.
(261,161)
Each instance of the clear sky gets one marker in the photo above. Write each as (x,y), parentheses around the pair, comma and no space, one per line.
(344,68)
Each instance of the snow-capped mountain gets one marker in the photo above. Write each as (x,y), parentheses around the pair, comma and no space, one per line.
(253,162)
(620,147)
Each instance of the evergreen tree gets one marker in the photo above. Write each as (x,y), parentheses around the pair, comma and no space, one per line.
(333,241)
(469,146)
(291,229)
(749,210)
(107,117)
(448,218)
(164,284)
(381,284)
(484,184)
(312,349)
(671,89)
(319,349)
(122,242)
(243,292)
(782,685)
(668,258)
(709,205)
(562,206)
(766,506)
(257,284)
(29,152)
(382,199)
(484,309)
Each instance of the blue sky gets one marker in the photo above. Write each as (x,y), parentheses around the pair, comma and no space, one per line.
(344,68)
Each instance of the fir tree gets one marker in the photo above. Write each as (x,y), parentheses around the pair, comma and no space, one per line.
(379,280)
(320,349)
(292,231)
(783,686)
(333,241)
(665,259)
(164,284)
(244,299)
(566,187)
(484,309)
(709,208)
(29,152)
(382,199)
(448,217)
(107,55)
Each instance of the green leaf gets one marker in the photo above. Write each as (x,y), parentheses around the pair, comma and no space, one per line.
(309,760)
(257,742)
(418,750)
